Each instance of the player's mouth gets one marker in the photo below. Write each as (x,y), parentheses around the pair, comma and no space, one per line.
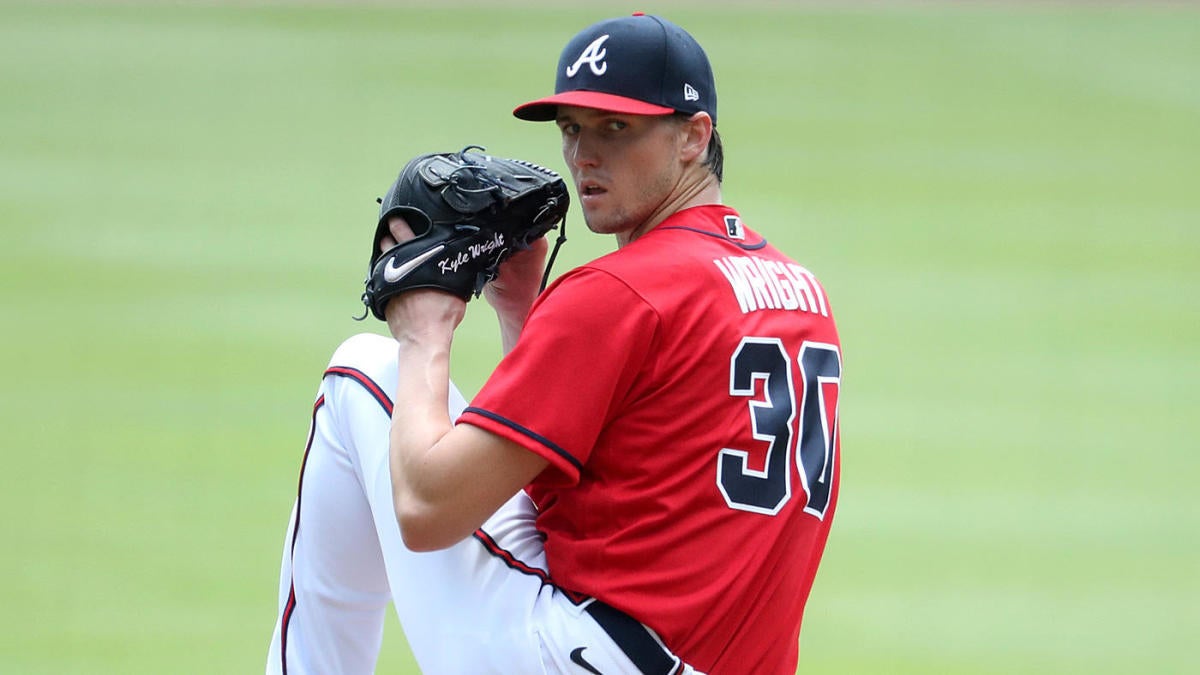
(589,191)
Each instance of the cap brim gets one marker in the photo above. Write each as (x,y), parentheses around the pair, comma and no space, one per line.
(546,109)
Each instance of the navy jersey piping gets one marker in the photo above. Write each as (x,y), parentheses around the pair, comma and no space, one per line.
(529,433)
(745,247)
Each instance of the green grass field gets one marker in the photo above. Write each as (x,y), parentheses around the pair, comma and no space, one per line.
(1002,200)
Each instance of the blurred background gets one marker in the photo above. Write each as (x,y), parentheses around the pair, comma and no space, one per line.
(1002,200)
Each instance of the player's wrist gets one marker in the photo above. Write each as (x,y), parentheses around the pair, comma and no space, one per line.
(424,316)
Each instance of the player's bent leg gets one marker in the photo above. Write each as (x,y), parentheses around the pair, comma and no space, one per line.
(448,602)
(468,608)
(461,609)
(333,586)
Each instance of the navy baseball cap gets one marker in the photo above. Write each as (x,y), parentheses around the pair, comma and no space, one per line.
(640,64)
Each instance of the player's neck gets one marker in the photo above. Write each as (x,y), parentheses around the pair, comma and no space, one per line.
(703,189)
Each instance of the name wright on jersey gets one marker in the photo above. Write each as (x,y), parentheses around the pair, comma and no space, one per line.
(761,283)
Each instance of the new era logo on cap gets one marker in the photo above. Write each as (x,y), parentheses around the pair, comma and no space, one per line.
(640,64)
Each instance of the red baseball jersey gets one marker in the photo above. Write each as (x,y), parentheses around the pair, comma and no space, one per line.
(685,391)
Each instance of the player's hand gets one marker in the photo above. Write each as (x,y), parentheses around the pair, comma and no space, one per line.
(518,283)
(420,314)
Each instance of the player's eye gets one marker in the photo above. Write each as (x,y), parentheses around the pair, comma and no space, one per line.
(617,125)
(568,128)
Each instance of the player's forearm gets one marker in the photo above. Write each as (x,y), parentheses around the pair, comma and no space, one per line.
(446,480)
(419,420)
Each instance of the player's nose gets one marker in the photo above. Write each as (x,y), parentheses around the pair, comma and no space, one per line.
(581,152)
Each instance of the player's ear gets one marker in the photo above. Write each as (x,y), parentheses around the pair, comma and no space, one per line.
(697,130)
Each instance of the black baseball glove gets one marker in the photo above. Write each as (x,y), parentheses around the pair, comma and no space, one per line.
(470,212)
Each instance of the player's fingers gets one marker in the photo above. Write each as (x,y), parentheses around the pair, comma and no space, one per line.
(400,230)
(540,245)
(530,258)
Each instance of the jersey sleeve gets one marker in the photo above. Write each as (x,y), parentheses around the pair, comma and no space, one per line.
(570,372)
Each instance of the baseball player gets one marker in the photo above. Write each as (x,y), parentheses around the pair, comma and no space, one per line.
(670,408)
(646,482)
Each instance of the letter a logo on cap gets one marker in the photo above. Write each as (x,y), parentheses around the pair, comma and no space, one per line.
(593,56)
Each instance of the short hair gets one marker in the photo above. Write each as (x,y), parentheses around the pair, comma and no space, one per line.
(716,156)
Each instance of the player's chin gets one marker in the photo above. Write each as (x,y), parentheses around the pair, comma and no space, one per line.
(595,224)
(608,222)
(598,219)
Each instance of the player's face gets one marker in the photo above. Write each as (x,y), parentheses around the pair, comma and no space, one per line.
(626,168)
